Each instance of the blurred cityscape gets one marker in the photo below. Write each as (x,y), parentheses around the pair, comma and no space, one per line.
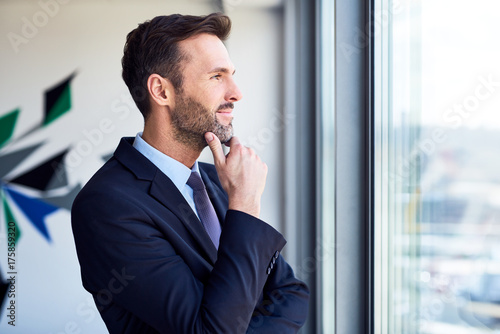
(456,243)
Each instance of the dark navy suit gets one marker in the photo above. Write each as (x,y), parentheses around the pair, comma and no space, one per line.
(151,267)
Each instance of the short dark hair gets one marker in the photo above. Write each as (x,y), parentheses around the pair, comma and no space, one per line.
(153,48)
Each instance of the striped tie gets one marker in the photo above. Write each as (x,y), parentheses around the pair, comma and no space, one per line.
(205,208)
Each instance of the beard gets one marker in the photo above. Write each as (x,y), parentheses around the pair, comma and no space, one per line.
(191,120)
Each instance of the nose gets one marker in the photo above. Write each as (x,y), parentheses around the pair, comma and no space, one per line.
(233,93)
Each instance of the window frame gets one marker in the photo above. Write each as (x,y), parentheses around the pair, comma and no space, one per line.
(352,161)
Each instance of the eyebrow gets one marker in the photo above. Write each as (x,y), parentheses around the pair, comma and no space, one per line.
(221,69)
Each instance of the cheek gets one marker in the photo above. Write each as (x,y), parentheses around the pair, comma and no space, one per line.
(212,103)
(210,96)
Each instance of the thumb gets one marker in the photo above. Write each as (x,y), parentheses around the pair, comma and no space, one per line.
(216,148)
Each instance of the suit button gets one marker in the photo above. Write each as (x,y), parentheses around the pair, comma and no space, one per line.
(268,270)
(274,260)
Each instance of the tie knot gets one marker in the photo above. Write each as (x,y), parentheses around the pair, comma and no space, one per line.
(195,181)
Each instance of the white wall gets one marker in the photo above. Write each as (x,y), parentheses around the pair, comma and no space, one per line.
(88,37)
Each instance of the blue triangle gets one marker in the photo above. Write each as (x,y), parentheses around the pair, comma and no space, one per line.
(34,209)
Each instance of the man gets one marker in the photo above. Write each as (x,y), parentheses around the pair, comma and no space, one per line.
(161,249)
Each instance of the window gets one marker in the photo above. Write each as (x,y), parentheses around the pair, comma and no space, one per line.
(436,166)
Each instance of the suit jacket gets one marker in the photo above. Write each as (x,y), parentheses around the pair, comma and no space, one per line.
(152,268)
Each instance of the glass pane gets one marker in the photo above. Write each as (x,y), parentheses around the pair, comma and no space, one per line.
(327,131)
(437,166)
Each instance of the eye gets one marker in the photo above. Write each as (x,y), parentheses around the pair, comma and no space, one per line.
(216,77)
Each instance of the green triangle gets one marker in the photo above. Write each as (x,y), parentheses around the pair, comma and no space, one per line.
(10,220)
(7,125)
(62,105)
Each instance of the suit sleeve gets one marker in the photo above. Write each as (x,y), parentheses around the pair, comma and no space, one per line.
(126,260)
(285,302)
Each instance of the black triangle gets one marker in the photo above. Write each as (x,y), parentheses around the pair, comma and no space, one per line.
(40,177)
(53,94)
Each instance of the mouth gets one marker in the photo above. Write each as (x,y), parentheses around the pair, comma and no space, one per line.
(226,108)
(225,112)
(225,116)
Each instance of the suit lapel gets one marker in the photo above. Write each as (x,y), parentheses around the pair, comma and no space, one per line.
(165,191)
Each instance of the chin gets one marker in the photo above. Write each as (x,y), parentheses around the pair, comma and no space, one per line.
(223,132)
(225,139)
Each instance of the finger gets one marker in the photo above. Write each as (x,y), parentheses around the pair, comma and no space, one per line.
(216,148)
(234,142)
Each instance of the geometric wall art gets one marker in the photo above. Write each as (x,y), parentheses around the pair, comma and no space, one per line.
(48,174)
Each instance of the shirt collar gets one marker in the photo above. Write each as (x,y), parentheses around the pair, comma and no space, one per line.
(175,170)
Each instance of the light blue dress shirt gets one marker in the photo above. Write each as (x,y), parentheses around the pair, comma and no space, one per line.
(175,170)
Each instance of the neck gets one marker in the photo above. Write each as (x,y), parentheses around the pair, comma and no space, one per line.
(159,134)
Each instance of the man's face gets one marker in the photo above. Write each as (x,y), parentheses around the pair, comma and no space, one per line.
(205,102)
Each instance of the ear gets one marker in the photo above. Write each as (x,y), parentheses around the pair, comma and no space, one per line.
(160,90)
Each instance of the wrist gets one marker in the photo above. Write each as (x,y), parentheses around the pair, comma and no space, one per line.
(249,206)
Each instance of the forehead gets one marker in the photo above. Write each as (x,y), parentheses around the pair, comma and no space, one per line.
(205,52)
